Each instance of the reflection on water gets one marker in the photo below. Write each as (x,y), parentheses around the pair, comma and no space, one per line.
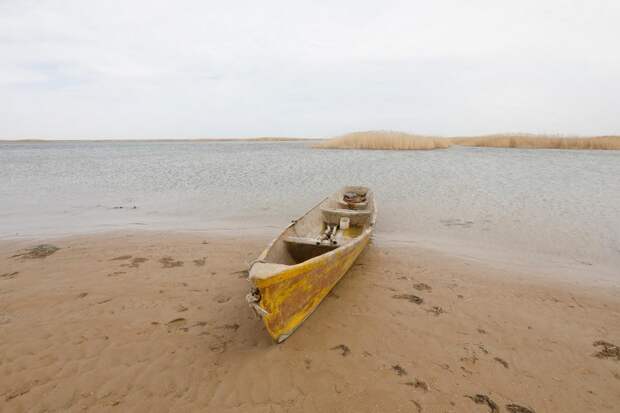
(551,201)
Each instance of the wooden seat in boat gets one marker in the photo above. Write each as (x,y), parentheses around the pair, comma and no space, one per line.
(356,216)
(301,240)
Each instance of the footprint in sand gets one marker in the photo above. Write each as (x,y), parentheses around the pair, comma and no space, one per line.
(607,351)
(9,275)
(422,287)
(515,408)
(409,297)
(221,299)
(135,263)
(169,262)
(121,258)
(484,399)
(399,370)
(233,326)
(436,310)
(344,349)
(177,324)
(219,347)
(418,384)
(82,295)
(200,262)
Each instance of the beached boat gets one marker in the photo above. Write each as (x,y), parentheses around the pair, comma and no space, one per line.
(300,267)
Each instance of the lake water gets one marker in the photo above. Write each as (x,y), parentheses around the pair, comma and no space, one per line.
(564,203)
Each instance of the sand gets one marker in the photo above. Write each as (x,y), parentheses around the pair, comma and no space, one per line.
(151,321)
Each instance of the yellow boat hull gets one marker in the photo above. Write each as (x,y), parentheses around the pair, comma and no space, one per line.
(290,296)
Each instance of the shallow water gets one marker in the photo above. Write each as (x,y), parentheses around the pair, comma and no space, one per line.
(565,203)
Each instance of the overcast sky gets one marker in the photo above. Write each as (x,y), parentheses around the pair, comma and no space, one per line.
(199,69)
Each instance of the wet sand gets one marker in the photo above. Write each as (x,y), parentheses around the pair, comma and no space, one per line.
(154,321)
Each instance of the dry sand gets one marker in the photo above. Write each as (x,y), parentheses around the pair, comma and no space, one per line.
(158,322)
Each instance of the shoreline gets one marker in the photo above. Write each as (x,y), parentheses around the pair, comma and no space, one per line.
(156,320)
(546,265)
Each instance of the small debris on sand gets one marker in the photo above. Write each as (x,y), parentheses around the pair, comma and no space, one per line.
(409,297)
(608,351)
(484,399)
(40,251)
(399,370)
(501,361)
(345,350)
(200,262)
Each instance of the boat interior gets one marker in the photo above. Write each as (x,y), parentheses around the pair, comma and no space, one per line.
(335,222)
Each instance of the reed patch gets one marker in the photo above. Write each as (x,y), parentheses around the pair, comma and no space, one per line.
(392,140)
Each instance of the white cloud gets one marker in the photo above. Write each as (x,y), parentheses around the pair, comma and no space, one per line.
(143,69)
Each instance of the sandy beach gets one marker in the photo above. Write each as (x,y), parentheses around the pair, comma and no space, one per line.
(157,321)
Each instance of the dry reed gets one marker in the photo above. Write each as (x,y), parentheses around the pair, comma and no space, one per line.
(530,141)
(383,140)
(404,141)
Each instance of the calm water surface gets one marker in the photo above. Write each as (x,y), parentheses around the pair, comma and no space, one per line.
(540,201)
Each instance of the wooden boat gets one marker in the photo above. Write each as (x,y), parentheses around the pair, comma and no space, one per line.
(300,267)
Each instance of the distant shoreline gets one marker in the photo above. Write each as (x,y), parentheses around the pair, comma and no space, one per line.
(199,140)
(392,140)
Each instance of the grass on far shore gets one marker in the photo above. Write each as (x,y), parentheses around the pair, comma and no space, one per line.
(405,141)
